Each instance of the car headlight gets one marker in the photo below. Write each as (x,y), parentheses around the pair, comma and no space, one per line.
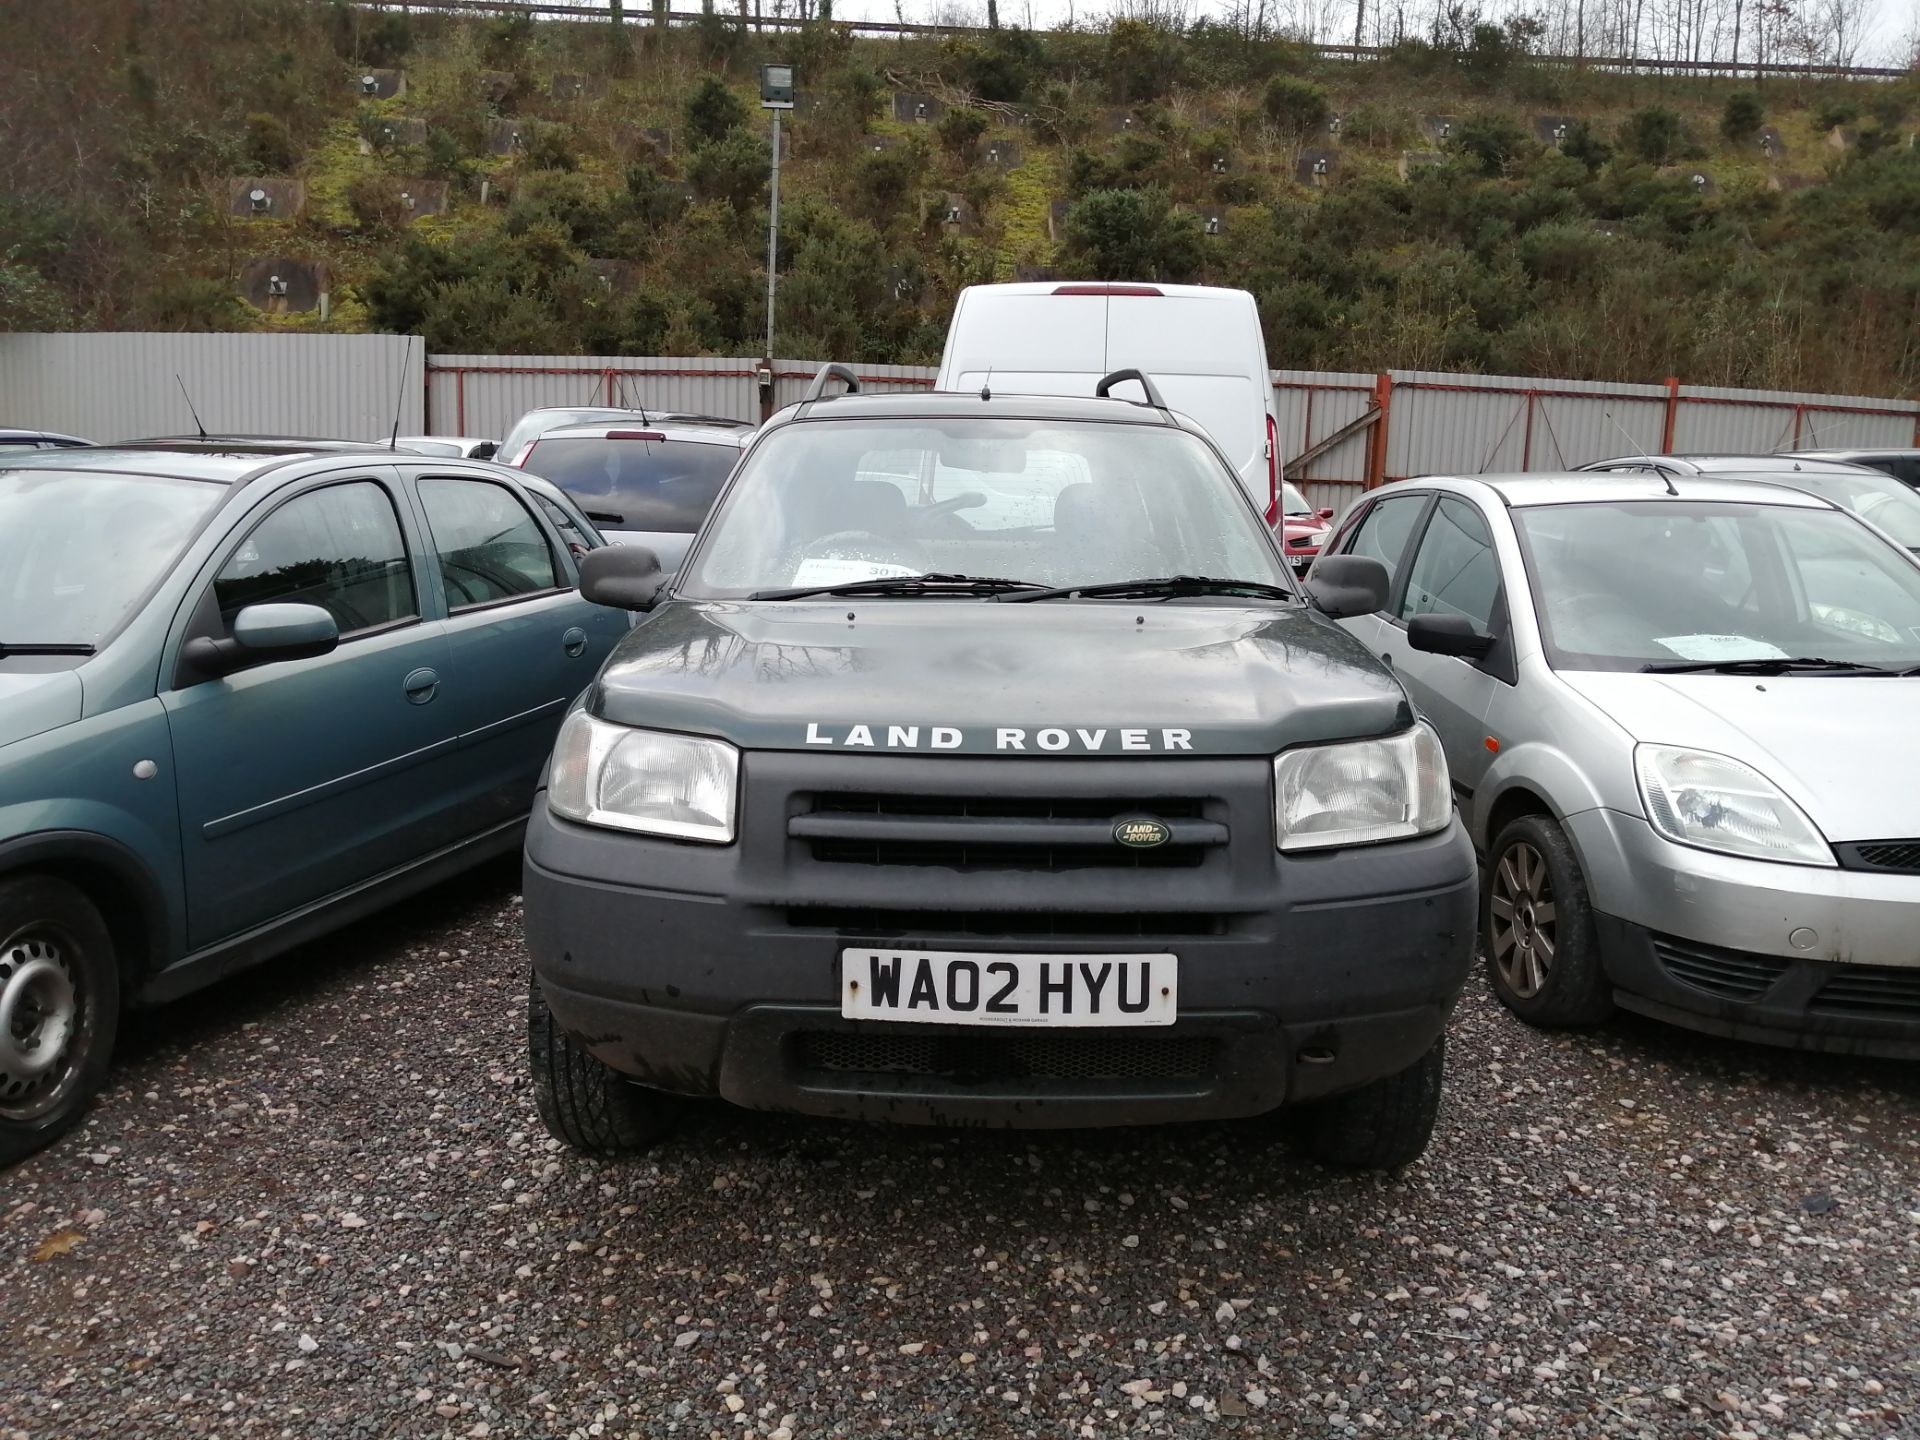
(1712,802)
(646,780)
(1361,791)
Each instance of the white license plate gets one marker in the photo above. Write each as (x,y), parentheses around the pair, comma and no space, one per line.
(948,987)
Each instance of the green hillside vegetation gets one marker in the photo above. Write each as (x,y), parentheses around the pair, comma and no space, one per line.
(1794,263)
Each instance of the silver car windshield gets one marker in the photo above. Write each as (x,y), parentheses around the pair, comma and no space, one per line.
(1624,586)
(1049,502)
(77,550)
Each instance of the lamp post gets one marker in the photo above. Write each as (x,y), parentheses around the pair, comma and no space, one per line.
(776,94)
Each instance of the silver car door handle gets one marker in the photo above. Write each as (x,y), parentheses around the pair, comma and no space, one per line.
(421,686)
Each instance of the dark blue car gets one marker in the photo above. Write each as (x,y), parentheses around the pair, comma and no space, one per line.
(249,692)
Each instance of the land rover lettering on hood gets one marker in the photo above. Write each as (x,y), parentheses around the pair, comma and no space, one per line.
(985,764)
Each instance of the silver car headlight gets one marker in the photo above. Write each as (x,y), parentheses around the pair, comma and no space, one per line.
(1713,802)
(1362,791)
(650,781)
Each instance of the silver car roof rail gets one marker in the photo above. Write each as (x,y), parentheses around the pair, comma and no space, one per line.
(832,370)
(1103,390)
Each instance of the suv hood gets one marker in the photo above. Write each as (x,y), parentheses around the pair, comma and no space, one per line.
(35,701)
(974,677)
(1830,741)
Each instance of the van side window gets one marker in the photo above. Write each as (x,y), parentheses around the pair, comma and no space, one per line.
(1385,530)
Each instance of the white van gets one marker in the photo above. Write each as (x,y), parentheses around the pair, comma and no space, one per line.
(1201,345)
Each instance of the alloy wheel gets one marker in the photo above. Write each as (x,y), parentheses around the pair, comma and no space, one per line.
(42,1007)
(1523,920)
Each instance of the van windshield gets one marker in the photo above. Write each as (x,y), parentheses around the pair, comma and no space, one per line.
(1050,502)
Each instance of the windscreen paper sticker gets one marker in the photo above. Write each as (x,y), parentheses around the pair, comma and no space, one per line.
(837,570)
(1720,647)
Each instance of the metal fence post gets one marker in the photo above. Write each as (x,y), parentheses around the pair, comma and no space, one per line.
(1673,414)
(1377,452)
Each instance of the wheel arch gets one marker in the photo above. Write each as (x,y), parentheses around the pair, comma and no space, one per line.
(119,884)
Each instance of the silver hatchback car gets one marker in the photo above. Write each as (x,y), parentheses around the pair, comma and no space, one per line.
(1675,709)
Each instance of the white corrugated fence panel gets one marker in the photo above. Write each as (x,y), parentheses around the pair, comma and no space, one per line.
(118,386)
(1310,405)
(1444,424)
(1717,419)
(792,377)
(484,394)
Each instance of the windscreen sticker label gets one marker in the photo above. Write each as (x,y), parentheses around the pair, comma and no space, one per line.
(832,570)
(1720,647)
(1053,740)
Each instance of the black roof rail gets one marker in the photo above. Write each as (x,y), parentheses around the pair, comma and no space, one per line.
(832,370)
(1154,398)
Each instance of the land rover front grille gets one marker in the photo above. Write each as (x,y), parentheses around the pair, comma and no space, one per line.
(1045,835)
(877,924)
(1056,1055)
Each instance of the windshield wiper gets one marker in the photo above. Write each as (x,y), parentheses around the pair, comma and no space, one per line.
(1162,585)
(8,647)
(604,517)
(1776,665)
(938,583)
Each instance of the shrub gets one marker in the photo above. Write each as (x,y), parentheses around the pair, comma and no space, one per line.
(1295,105)
(269,145)
(550,147)
(1654,134)
(1832,114)
(1379,126)
(1132,235)
(1742,117)
(883,180)
(733,169)
(713,111)
(1143,61)
(1563,253)
(1494,142)
(1584,144)
(375,202)
(189,302)
(959,132)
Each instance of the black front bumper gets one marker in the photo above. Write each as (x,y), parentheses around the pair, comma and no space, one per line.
(1794,1002)
(716,970)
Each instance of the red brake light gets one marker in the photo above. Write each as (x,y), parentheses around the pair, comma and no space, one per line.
(1273,471)
(1106,290)
(635,435)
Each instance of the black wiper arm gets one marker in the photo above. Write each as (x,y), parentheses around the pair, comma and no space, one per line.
(938,583)
(8,647)
(1761,665)
(1162,585)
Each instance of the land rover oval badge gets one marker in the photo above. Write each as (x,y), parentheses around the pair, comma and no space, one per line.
(1141,834)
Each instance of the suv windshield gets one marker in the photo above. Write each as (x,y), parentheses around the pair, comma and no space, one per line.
(658,485)
(1051,502)
(77,550)
(1624,586)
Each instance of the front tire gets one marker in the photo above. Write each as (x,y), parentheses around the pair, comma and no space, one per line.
(1384,1124)
(1543,951)
(59,1010)
(582,1100)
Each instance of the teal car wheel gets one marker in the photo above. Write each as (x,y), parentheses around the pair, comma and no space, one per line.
(59,1009)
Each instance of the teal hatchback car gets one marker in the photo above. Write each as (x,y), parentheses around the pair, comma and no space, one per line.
(250,692)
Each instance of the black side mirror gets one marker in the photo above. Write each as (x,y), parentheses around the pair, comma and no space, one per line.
(262,634)
(486,450)
(1447,635)
(626,577)
(1343,586)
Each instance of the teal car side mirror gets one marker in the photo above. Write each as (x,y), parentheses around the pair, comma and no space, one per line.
(262,634)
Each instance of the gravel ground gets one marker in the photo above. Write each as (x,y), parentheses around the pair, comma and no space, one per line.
(317,1202)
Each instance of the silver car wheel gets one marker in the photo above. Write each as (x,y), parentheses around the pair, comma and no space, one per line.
(39,1017)
(1523,920)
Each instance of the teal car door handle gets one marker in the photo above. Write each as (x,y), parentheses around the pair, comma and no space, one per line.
(574,642)
(421,685)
